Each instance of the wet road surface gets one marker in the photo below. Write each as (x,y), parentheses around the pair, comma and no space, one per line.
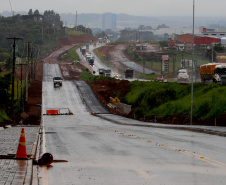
(102,152)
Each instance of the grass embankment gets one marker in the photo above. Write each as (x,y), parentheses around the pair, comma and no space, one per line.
(165,100)
(103,58)
(3,116)
(169,101)
(72,55)
(87,76)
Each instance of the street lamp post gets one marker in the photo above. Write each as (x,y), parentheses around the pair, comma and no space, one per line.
(192,61)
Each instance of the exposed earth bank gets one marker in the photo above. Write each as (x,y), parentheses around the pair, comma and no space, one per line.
(103,89)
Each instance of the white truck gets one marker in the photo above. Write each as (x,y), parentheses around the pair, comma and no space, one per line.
(57,81)
(107,72)
(182,75)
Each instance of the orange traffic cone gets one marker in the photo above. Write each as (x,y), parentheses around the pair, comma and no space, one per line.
(21,149)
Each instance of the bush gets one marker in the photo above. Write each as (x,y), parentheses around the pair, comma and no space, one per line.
(72,55)
(168,99)
(139,113)
(4,56)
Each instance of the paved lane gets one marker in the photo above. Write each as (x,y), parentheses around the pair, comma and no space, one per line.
(101,152)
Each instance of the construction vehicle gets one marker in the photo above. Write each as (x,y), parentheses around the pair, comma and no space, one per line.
(129,73)
(57,81)
(182,75)
(213,71)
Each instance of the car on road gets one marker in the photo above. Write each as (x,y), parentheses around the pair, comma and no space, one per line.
(115,76)
(160,78)
(57,81)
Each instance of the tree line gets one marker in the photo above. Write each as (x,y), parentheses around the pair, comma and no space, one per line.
(37,34)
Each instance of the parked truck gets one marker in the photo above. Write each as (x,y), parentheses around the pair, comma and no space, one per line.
(101,72)
(182,76)
(88,56)
(213,71)
(57,81)
(107,72)
(129,73)
(83,51)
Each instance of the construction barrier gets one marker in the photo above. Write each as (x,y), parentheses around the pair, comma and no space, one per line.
(58,111)
(121,107)
(52,112)
(21,149)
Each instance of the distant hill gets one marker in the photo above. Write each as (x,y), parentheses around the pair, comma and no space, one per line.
(94,20)
(124,20)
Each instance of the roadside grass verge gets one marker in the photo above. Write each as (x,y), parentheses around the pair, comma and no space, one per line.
(87,76)
(103,58)
(72,55)
(162,100)
(3,116)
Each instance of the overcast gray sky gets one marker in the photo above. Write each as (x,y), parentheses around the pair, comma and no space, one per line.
(207,8)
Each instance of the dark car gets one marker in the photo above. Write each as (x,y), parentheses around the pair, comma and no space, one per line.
(160,78)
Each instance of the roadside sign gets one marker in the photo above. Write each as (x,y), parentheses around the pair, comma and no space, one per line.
(116,101)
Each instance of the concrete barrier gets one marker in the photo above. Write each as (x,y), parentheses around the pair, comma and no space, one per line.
(121,107)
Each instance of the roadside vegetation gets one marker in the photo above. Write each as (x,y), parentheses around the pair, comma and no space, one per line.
(163,100)
(172,101)
(72,55)
(5,100)
(103,58)
(87,76)
(36,34)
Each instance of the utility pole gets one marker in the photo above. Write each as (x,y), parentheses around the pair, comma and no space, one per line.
(13,76)
(192,62)
(31,67)
(28,62)
(21,87)
(76,21)
(27,80)
(36,63)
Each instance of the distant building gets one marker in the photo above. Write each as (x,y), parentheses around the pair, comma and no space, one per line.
(109,21)
(213,32)
(187,39)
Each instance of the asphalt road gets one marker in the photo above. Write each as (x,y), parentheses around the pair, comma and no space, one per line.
(97,62)
(98,151)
